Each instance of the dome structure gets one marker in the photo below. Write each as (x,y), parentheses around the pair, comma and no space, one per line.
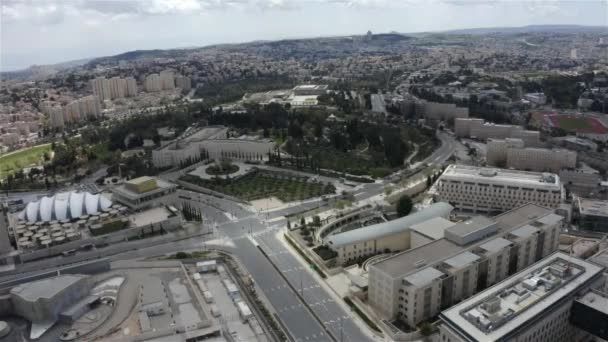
(64,206)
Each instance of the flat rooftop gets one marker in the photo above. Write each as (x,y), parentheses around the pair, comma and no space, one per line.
(524,231)
(150,216)
(405,262)
(424,276)
(495,245)
(523,214)
(593,207)
(473,174)
(497,312)
(471,225)
(461,260)
(46,288)
(401,264)
(600,258)
(595,300)
(433,228)
(161,185)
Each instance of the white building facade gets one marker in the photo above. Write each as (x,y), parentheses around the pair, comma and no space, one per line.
(476,189)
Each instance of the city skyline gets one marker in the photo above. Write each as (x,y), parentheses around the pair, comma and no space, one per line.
(74,30)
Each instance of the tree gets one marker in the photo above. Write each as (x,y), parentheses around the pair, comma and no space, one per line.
(316,221)
(404,206)
(426,329)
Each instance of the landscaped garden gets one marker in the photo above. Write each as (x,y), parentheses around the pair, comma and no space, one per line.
(221,169)
(261,184)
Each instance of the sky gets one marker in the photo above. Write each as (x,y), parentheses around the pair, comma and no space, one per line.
(51,31)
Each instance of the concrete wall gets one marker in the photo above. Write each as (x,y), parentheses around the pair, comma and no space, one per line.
(394,242)
(88,267)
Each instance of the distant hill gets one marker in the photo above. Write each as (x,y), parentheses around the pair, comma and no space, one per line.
(139,54)
(35,71)
(532,29)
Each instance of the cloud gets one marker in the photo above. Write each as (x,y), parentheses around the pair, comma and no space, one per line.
(53,11)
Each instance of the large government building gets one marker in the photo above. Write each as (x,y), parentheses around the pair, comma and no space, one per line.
(415,285)
(554,300)
(491,190)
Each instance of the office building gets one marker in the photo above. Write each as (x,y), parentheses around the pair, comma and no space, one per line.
(540,159)
(183,82)
(488,190)
(476,128)
(415,285)
(441,111)
(391,236)
(535,304)
(153,83)
(144,192)
(462,126)
(592,214)
(580,180)
(590,313)
(511,153)
(496,151)
(167,80)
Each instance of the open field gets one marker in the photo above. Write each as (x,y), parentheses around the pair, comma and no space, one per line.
(257,185)
(14,161)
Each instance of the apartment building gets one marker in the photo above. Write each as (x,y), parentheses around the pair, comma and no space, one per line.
(183,82)
(415,285)
(113,88)
(56,117)
(537,304)
(101,88)
(131,87)
(153,83)
(488,190)
(118,87)
(167,80)
(81,109)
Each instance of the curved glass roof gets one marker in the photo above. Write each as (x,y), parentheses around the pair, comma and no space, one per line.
(64,206)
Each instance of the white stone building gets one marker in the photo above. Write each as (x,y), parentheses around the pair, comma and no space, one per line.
(487,190)
(415,285)
(532,305)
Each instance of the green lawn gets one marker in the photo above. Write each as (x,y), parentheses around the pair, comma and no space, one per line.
(573,123)
(256,185)
(14,161)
